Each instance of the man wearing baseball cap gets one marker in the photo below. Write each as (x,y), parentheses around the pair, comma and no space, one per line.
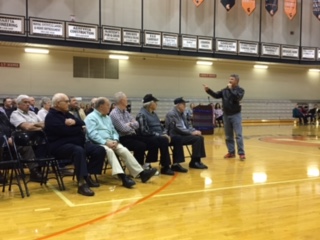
(177,125)
(150,125)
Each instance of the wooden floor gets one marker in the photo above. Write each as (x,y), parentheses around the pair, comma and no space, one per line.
(274,194)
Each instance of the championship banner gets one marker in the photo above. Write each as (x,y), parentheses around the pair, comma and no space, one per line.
(228,4)
(198,2)
(316,8)
(11,24)
(46,28)
(272,6)
(249,6)
(80,32)
(290,8)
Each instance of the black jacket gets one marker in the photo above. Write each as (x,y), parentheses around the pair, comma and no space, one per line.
(59,133)
(5,126)
(230,99)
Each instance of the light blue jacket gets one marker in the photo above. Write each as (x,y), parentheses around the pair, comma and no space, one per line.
(100,128)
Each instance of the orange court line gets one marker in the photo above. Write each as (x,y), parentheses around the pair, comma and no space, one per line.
(110,214)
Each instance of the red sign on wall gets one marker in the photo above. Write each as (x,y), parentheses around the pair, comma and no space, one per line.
(207,75)
(9,65)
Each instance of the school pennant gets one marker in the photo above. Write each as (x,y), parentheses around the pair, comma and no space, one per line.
(316,8)
(290,8)
(272,6)
(228,4)
(249,6)
(198,2)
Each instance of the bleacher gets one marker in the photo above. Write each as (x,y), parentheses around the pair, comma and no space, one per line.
(253,110)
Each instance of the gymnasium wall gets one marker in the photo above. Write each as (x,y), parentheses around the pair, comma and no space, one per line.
(163,76)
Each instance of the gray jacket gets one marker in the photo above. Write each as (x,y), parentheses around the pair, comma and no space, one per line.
(177,124)
(149,123)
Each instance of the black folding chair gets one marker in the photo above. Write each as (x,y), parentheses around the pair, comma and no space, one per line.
(38,141)
(10,167)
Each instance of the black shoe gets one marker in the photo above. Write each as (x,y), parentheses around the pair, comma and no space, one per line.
(166,171)
(128,182)
(178,168)
(197,165)
(85,190)
(146,174)
(36,176)
(92,183)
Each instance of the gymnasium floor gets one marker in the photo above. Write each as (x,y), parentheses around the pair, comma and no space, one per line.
(274,194)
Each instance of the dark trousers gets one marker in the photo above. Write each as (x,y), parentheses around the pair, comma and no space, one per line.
(78,155)
(28,153)
(139,144)
(96,156)
(163,144)
(177,152)
(198,150)
(219,121)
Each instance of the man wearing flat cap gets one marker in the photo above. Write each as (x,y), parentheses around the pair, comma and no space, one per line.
(150,125)
(177,125)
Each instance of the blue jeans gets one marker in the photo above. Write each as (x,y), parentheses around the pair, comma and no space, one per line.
(232,125)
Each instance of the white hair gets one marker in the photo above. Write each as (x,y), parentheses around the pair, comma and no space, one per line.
(56,98)
(147,104)
(44,101)
(21,97)
(119,96)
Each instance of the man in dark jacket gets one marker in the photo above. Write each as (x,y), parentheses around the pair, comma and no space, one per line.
(232,119)
(66,136)
(150,125)
(177,125)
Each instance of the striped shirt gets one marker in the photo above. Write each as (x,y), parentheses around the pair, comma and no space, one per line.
(121,119)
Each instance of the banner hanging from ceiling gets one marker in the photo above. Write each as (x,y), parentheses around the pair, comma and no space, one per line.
(248,6)
(316,8)
(272,6)
(228,4)
(290,8)
(198,2)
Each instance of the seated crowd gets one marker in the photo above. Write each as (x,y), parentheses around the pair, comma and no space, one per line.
(305,115)
(97,135)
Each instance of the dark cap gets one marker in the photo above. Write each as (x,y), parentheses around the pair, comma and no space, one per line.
(149,98)
(180,100)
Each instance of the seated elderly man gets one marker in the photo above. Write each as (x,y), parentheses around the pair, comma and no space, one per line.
(177,124)
(101,131)
(150,125)
(6,128)
(32,107)
(26,120)
(75,109)
(66,136)
(90,109)
(7,108)
(126,125)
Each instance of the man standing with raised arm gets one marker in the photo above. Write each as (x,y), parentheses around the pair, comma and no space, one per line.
(232,119)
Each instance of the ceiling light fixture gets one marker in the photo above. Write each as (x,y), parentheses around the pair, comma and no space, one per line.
(261,66)
(36,50)
(204,63)
(119,57)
